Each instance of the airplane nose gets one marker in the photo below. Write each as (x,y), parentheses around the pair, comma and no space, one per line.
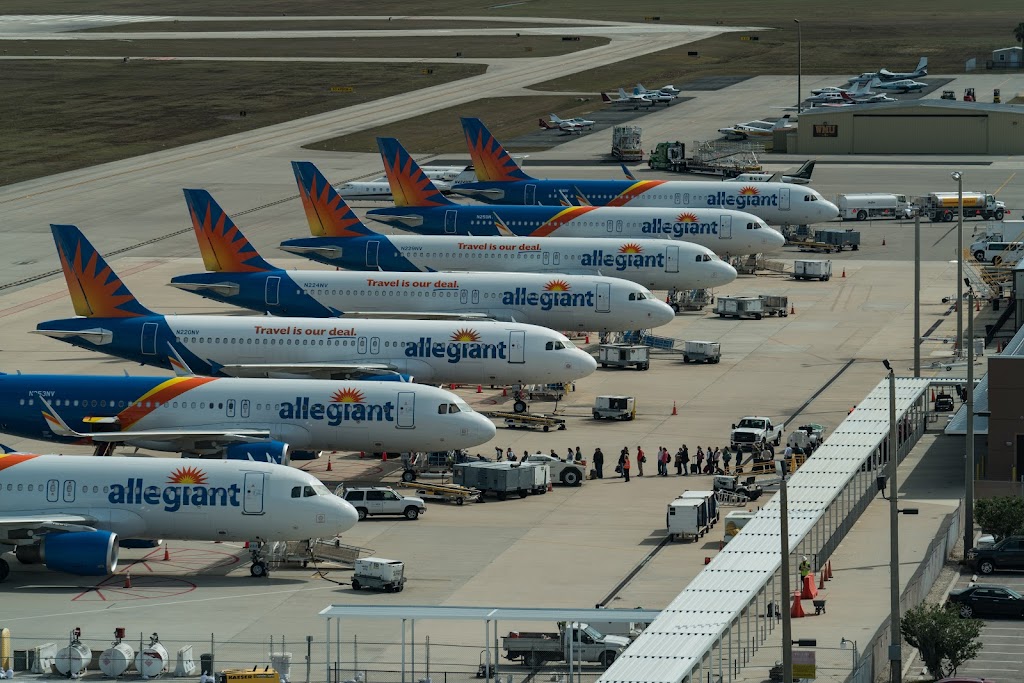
(829,210)
(482,430)
(773,239)
(660,314)
(585,362)
(346,515)
(724,273)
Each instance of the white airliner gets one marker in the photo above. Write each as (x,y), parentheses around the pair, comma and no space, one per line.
(69,513)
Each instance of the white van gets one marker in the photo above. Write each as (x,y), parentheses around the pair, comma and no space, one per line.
(997,252)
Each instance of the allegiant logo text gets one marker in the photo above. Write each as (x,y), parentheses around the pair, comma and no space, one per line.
(173,497)
(455,351)
(677,229)
(622,261)
(742,201)
(338,411)
(520,296)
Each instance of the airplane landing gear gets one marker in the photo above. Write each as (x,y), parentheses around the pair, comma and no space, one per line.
(5,570)
(259,567)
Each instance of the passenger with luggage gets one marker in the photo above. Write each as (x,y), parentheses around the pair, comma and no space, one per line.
(599,463)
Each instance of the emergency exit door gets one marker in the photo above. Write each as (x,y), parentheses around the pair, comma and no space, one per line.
(604,297)
(784,198)
(725,227)
(252,501)
(530,196)
(517,346)
(406,410)
(672,258)
(449,221)
(273,288)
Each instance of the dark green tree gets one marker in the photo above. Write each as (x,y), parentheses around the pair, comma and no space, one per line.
(1018,33)
(1000,517)
(944,640)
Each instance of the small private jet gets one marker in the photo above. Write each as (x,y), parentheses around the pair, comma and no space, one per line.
(754,129)
(886,75)
(574,125)
(903,85)
(636,101)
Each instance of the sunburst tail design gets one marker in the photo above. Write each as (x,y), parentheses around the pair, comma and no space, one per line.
(409,185)
(490,160)
(326,212)
(96,290)
(224,247)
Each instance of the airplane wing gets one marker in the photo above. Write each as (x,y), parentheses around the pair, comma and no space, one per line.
(44,523)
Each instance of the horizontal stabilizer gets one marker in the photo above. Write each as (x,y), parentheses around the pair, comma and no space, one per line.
(96,335)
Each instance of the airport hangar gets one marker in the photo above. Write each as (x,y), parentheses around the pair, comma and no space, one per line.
(911,127)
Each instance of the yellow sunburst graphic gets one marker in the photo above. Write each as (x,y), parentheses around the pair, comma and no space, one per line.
(557,286)
(631,248)
(749,190)
(187,475)
(465,335)
(687,218)
(347,396)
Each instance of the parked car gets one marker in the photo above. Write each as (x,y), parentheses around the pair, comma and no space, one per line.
(943,403)
(381,500)
(981,600)
(1007,554)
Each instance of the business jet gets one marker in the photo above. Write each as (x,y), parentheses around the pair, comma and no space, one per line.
(802,176)
(754,129)
(239,276)
(502,181)
(426,211)
(921,70)
(70,513)
(433,351)
(904,85)
(635,101)
(341,240)
(655,96)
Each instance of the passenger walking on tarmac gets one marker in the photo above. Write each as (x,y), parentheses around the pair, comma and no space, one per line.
(726,457)
(805,568)
(679,462)
(766,453)
(498,453)
(625,464)
(599,463)
(579,454)
(568,455)
(700,460)
(510,455)
(666,461)
(640,460)
(686,461)
(623,456)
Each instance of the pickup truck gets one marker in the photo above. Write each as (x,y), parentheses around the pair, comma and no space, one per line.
(587,644)
(752,430)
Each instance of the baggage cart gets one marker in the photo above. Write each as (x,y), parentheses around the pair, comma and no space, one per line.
(497,478)
(838,239)
(688,299)
(686,518)
(812,270)
(526,420)
(702,352)
(624,356)
(446,493)
(379,573)
(614,407)
(775,305)
(739,307)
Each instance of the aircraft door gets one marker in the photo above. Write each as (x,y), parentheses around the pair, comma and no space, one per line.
(517,346)
(149,339)
(273,287)
(672,258)
(678,197)
(530,195)
(229,407)
(686,198)
(725,227)
(52,491)
(609,225)
(252,502)
(476,296)
(618,226)
(556,258)
(545,258)
(449,221)
(464,296)
(374,346)
(69,491)
(361,345)
(371,253)
(784,199)
(245,408)
(406,410)
(604,297)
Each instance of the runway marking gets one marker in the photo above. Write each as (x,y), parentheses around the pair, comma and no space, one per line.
(1000,188)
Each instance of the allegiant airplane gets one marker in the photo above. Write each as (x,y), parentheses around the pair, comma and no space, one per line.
(502,181)
(340,239)
(420,208)
(433,351)
(239,276)
(71,514)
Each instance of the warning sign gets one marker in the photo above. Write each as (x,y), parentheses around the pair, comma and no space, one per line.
(803,665)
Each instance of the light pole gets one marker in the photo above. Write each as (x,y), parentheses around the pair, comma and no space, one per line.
(842,645)
(969,460)
(959,178)
(787,625)
(799,65)
(917,295)
(895,655)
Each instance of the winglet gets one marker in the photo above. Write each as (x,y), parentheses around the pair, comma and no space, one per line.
(581,198)
(490,160)
(502,226)
(96,290)
(626,172)
(55,422)
(224,247)
(178,364)
(410,186)
(326,212)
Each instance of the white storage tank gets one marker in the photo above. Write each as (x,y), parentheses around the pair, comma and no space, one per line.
(73,660)
(116,659)
(152,660)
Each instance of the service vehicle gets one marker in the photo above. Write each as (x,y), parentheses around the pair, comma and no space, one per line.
(712,158)
(702,352)
(443,492)
(626,143)
(626,629)
(624,356)
(1006,554)
(945,206)
(753,430)
(732,484)
(838,239)
(981,600)
(712,512)
(807,269)
(948,95)
(1000,231)
(687,518)
(874,205)
(997,253)
(516,420)
(808,437)
(739,307)
(500,478)
(562,471)
(379,573)
(775,304)
(575,641)
(381,500)
(734,522)
(614,408)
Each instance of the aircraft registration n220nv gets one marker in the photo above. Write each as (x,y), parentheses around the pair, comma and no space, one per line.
(241,277)
(503,182)
(340,239)
(420,208)
(112,321)
(239,418)
(69,513)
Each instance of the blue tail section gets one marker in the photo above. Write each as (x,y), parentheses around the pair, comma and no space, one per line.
(409,185)
(490,160)
(326,212)
(224,247)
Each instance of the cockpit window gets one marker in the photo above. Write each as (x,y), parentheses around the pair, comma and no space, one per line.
(442,409)
(452,408)
(462,406)
(707,257)
(639,296)
(321,490)
(810,198)
(308,492)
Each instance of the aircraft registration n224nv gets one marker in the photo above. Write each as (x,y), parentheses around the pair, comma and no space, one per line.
(70,513)
(502,181)
(420,208)
(431,351)
(340,239)
(239,276)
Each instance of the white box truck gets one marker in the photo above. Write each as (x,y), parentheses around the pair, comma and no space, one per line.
(626,143)
(686,518)
(739,307)
(812,270)
(710,504)
(863,206)
(1000,231)
(379,573)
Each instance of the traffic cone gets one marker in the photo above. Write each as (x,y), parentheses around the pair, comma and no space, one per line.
(792,309)
(504,391)
(821,581)
(384,456)
(128,580)
(167,553)
(797,610)
(883,241)
(246,546)
(479,389)
(809,591)
(844,272)
(451,387)
(674,410)
(933,396)
(330,467)
(586,340)
(829,568)
(362,454)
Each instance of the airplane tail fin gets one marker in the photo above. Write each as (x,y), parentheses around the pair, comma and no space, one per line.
(781,123)
(223,246)
(554,118)
(546,125)
(626,172)
(490,160)
(846,97)
(605,98)
(622,93)
(922,66)
(410,186)
(326,212)
(502,227)
(805,170)
(96,290)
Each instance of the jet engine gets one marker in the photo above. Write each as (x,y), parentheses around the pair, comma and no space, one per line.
(264,451)
(85,553)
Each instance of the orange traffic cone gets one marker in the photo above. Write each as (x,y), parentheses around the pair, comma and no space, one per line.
(246,545)
(330,467)
(674,410)
(797,610)
(808,591)
(792,309)
(504,391)
(479,389)
(384,456)
(821,581)
(451,387)
(586,340)
(844,272)
(977,304)
(167,553)
(128,580)
(828,567)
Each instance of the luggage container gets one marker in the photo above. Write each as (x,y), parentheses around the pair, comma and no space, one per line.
(739,307)
(812,270)
(614,407)
(838,239)
(775,305)
(624,356)
(711,504)
(379,573)
(702,352)
(497,478)
(686,518)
